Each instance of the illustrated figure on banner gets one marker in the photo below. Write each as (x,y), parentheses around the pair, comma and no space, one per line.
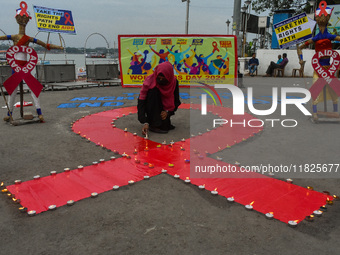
(323,41)
(22,17)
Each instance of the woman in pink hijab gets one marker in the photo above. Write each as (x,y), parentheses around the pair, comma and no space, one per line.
(158,99)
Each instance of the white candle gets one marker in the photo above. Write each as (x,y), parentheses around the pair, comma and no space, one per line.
(201,187)
(317,213)
(32,213)
(70,202)
(230,199)
(249,207)
(94,194)
(176,176)
(214,192)
(36,177)
(292,223)
(66,169)
(112,158)
(187,180)
(17,181)
(269,216)
(164,171)
(115,187)
(80,167)
(146,177)
(131,182)
(53,172)
(289,181)
(52,207)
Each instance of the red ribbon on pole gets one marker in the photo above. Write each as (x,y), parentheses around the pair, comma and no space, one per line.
(68,16)
(326,76)
(22,72)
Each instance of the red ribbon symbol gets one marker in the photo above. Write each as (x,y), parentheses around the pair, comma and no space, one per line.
(22,72)
(214,44)
(322,7)
(68,16)
(23,6)
(326,76)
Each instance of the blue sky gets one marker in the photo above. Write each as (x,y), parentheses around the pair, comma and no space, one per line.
(114,17)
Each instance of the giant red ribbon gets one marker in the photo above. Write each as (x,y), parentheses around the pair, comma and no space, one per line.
(67,20)
(22,72)
(326,76)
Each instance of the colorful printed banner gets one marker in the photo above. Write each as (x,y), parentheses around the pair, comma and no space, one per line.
(294,30)
(52,20)
(210,59)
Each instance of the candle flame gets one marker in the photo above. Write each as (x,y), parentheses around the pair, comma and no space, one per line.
(187,178)
(252,203)
(327,199)
(2,184)
(312,216)
(296,221)
(215,189)
(271,213)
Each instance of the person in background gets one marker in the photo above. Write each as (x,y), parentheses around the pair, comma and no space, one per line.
(253,63)
(279,59)
(158,100)
(273,65)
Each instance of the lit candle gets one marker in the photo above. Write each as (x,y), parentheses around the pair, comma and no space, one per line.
(250,206)
(32,213)
(182,149)
(125,130)
(36,177)
(135,152)
(115,187)
(214,192)
(124,154)
(172,142)
(22,209)
(187,160)
(164,171)
(171,165)
(187,180)
(113,126)
(17,181)
(98,144)
(310,188)
(146,177)
(146,148)
(218,158)
(135,134)
(66,169)
(310,217)
(269,215)
(176,176)
(183,140)
(289,181)
(329,202)
(52,207)
(94,194)
(323,208)
(201,187)
(164,142)
(230,199)
(112,158)
(131,182)
(293,223)
(94,163)
(151,165)
(317,213)
(335,197)
(199,133)
(70,202)
(237,163)
(80,167)
(4,190)
(101,160)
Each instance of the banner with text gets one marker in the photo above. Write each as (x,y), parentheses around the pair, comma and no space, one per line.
(294,30)
(211,59)
(53,20)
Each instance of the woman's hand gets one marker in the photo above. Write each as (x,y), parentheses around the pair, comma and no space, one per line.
(145,128)
(164,115)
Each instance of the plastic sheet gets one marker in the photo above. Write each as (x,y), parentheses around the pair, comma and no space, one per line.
(286,201)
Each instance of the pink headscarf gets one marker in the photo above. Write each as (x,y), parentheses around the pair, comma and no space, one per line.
(167,91)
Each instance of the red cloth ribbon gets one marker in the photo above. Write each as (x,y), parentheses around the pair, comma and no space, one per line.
(326,76)
(322,7)
(68,16)
(23,6)
(214,44)
(22,72)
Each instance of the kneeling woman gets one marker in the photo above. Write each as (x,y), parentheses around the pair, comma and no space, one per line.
(158,100)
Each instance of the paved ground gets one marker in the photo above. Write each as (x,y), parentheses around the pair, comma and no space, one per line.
(163,215)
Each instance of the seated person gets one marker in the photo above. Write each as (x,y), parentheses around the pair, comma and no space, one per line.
(273,65)
(158,100)
(253,63)
(279,59)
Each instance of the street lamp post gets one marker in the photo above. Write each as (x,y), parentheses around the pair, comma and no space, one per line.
(187,17)
(245,19)
(228,23)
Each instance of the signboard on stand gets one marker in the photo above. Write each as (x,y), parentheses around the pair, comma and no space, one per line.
(54,20)
(210,59)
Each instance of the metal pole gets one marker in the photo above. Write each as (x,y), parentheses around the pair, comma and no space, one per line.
(187,18)
(237,16)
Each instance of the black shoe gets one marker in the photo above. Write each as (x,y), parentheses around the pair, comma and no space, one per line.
(158,130)
(171,127)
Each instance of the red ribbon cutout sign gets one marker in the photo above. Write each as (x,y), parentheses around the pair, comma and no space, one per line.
(214,44)
(22,72)
(23,6)
(326,76)
(68,16)
(322,7)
